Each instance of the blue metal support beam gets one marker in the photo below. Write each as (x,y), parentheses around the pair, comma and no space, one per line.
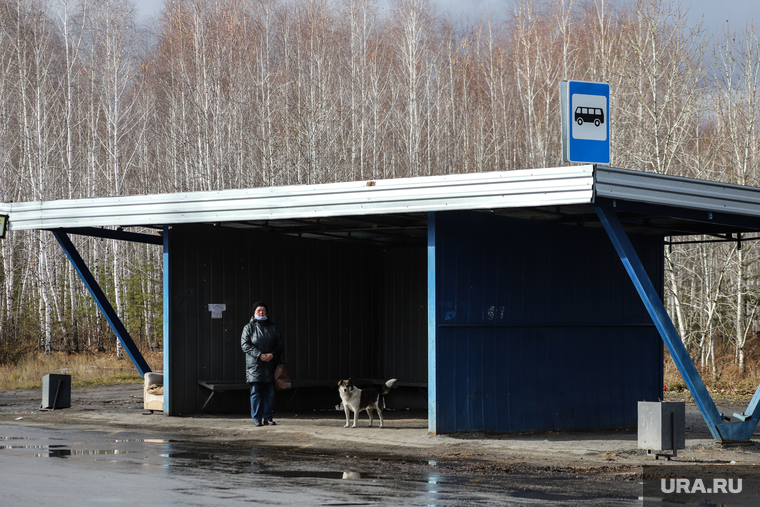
(167,334)
(432,327)
(102,302)
(118,234)
(720,429)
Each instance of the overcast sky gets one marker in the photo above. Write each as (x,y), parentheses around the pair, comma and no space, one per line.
(716,12)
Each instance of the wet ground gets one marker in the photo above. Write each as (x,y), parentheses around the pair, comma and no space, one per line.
(103,450)
(79,466)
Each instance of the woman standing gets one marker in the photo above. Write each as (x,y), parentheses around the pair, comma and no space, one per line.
(262,344)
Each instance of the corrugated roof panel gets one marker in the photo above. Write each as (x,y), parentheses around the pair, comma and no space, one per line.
(539,187)
(676,191)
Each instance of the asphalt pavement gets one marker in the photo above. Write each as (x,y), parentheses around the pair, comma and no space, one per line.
(605,455)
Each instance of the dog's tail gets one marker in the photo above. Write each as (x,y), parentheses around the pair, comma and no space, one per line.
(388,385)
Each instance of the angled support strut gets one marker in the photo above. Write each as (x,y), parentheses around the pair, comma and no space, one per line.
(720,429)
(102,302)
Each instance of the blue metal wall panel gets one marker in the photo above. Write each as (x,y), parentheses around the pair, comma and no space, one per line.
(539,328)
(533,380)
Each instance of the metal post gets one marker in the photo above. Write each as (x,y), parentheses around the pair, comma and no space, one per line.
(100,299)
(432,328)
(166,328)
(718,428)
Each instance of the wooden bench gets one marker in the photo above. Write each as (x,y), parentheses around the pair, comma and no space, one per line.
(421,386)
(360,382)
(219,386)
(309,383)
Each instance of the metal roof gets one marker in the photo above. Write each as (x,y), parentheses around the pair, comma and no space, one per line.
(453,192)
(677,191)
(395,210)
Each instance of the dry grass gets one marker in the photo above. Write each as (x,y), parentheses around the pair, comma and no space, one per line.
(729,384)
(89,369)
(86,369)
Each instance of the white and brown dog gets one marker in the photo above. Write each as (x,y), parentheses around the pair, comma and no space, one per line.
(362,399)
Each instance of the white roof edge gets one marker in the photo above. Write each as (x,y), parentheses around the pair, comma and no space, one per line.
(503,189)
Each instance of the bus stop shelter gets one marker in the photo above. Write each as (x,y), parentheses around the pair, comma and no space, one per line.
(503,301)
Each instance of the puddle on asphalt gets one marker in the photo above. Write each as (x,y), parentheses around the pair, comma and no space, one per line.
(299,474)
(99,452)
(55,451)
(29,446)
(544,496)
(60,450)
(142,440)
(191,456)
(267,462)
(295,470)
(6,439)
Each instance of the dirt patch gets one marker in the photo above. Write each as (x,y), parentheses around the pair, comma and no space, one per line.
(608,455)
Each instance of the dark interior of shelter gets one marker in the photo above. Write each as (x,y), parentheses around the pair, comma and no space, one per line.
(537,326)
(347,307)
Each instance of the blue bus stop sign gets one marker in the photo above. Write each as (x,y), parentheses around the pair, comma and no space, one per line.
(585,122)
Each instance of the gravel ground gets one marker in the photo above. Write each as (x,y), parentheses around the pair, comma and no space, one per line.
(608,455)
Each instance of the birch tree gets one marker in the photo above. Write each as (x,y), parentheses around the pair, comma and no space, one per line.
(412,38)
(36,60)
(11,177)
(737,96)
(662,82)
(112,66)
(361,16)
(317,118)
(70,23)
(536,72)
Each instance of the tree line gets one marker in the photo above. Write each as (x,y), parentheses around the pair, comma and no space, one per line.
(218,94)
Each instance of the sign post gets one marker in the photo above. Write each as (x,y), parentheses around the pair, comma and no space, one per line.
(585,122)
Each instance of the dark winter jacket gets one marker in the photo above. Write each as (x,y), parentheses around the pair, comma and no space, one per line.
(261,337)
